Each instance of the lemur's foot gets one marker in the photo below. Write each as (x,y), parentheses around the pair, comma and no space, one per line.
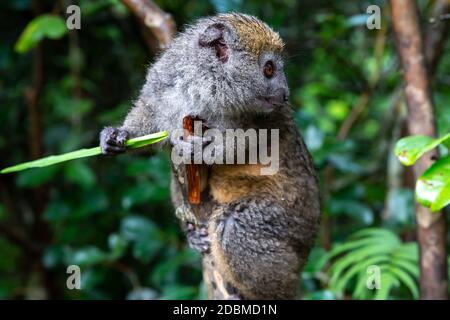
(198,238)
(196,233)
(112,140)
(185,215)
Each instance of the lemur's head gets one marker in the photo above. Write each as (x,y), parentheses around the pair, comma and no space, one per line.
(240,58)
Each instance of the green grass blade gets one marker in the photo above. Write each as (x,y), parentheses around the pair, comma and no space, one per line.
(143,141)
(51,160)
(83,153)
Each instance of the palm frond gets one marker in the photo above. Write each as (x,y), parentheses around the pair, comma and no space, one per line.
(397,263)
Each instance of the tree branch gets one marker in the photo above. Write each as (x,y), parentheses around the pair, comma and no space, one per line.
(160,23)
(430,226)
(19,239)
(436,34)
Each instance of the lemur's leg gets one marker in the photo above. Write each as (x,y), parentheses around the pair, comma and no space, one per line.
(251,250)
(217,287)
(196,232)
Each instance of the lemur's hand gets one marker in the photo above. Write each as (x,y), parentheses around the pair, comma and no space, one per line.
(192,146)
(112,140)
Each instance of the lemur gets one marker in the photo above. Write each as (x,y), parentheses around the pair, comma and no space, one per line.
(257,230)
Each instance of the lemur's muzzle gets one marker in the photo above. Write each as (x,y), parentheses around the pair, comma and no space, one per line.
(279,97)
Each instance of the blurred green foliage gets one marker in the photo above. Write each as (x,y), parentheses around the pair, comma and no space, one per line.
(113,217)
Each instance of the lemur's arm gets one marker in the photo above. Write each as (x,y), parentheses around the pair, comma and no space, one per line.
(139,121)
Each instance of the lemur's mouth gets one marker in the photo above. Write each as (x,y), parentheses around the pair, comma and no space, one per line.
(271,102)
(276,98)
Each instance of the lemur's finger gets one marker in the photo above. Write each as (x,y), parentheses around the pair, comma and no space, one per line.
(190,226)
(122,137)
(112,141)
(197,139)
(203,231)
(114,149)
(198,242)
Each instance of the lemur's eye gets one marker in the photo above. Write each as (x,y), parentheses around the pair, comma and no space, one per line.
(269,68)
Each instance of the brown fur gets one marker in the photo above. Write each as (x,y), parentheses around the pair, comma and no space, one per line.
(232,182)
(255,35)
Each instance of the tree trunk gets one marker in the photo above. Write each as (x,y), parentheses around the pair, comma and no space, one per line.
(431,227)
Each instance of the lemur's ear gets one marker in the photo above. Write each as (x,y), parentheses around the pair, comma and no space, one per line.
(213,37)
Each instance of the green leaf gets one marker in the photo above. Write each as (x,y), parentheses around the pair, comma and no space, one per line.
(433,187)
(337,109)
(356,256)
(44,26)
(361,289)
(147,248)
(80,173)
(409,149)
(136,227)
(52,257)
(117,245)
(352,208)
(376,234)
(145,235)
(387,283)
(443,197)
(342,282)
(407,280)
(51,160)
(179,292)
(35,178)
(374,246)
(91,278)
(348,246)
(168,268)
(408,252)
(88,256)
(57,210)
(142,294)
(83,153)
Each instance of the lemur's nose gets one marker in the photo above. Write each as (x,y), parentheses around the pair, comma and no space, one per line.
(280,96)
